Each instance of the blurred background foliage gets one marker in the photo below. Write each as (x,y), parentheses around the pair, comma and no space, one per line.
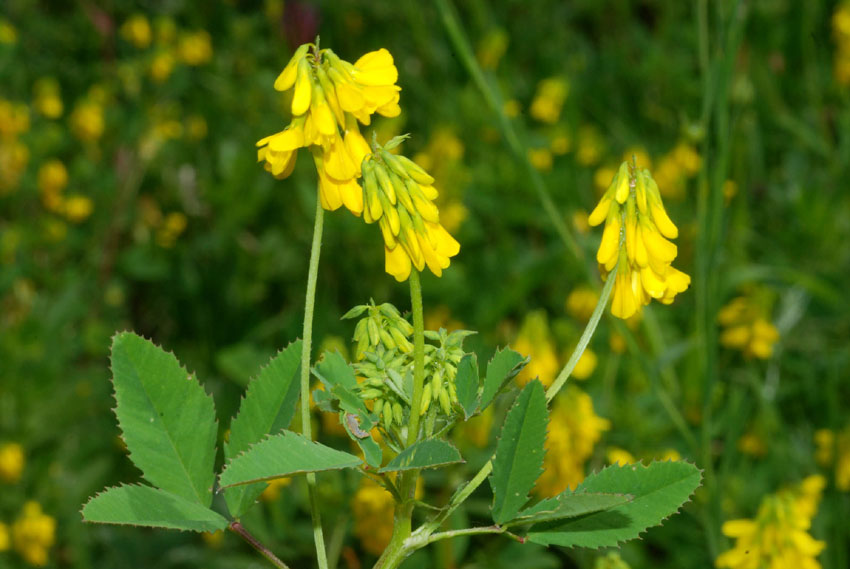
(130,198)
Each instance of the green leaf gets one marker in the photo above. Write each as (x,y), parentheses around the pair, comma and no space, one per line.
(339,380)
(504,366)
(150,507)
(658,491)
(466,383)
(282,455)
(371,450)
(167,419)
(519,453)
(569,505)
(429,453)
(268,408)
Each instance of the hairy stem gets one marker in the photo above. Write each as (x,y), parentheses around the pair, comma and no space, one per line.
(306,428)
(240,530)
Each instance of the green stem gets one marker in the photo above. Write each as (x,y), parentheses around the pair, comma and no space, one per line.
(418,356)
(491,96)
(469,531)
(306,427)
(585,337)
(240,530)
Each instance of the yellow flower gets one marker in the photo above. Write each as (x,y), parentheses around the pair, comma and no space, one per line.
(33,534)
(14,119)
(8,33)
(214,538)
(540,158)
(590,146)
(399,194)
(617,455)
(14,156)
(11,462)
(560,143)
(330,96)
(372,507)
(640,156)
(670,454)
(48,100)
(195,48)
(477,429)
(76,208)
(753,444)
(581,302)
(549,99)
(52,179)
(273,490)
(4,537)
(602,177)
(137,31)
(162,65)
(492,47)
(635,240)
(87,121)
(778,536)
(610,561)
(172,227)
(832,447)
(746,329)
(512,108)
(585,365)
(574,429)
(535,341)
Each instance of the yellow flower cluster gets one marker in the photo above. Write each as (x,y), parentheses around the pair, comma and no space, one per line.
(399,194)
(581,302)
(535,341)
(137,31)
(33,534)
(832,448)
(11,462)
(746,329)
(87,121)
(574,429)
(681,163)
(635,240)
(612,560)
(330,95)
(549,99)
(52,180)
(778,536)
(48,98)
(372,507)
(171,46)
(841,32)
(14,154)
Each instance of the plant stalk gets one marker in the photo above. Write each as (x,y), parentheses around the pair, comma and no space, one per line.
(240,530)
(307,338)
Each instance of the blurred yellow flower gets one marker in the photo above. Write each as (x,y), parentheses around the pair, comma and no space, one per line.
(165,29)
(213,539)
(477,429)
(549,99)
(841,33)
(835,448)
(579,218)
(274,489)
(586,365)
(746,329)
(778,536)
(617,455)
(602,177)
(33,534)
(635,240)
(76,208)
(52,179)
(441,317)
(640,155)
(612,560)
(753,444)
(574,430)
(540,158)
(48,98)
(589,146)
(560,143)
(195,48)
(492,47)
(196,127)
(14,156)
(162,65)
(11,462)
(171,228)
(581,301)
(5,540)
(8,33)
(688,158)
(137,31)
(670,454)
(14,119)
(372,507)
(512,108)
(87,122)
(535,341)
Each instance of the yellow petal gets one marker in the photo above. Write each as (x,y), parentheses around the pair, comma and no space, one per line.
(652,283)
(610,243)
(338,164)
(663,222)
(445,244)
(624,305)
(397,263)
(429,192)
(352,196)
(357,147)
(600,212)
(376,68)
(303,89)
(656,245)
(622,191)
(286,79)
(289,139)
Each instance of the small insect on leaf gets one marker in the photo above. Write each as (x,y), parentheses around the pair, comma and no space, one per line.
(354,426)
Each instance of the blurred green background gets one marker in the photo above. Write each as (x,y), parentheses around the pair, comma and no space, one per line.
(130,198)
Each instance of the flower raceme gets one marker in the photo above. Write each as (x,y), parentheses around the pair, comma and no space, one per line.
(330,96)
(636,241)
(399,194)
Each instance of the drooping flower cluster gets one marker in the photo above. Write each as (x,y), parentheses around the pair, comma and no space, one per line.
(330,96)
(399,194)
(635,240)
(574,429)
(746,329)
(779,534)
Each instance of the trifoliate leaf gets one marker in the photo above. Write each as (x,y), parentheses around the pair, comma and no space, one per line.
(504,366)
(568,505)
